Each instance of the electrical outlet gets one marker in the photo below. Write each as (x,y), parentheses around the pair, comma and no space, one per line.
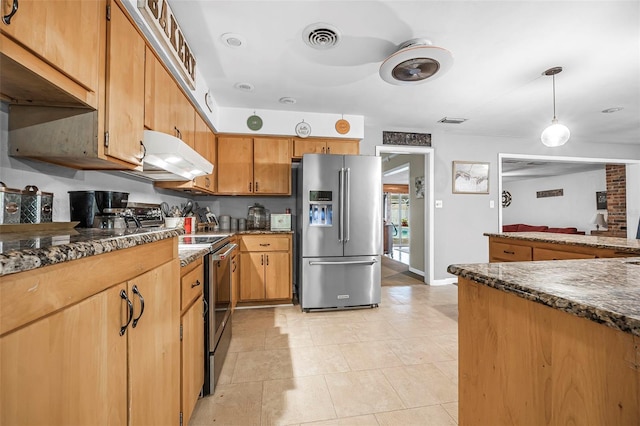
(438,204)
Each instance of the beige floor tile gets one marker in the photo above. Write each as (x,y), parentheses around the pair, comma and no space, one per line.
(232,404)
(449,369)
(369,355)
(419,350)
(297,400)
(368,420)
(452,409)
(433,415)
(311,361)
(288,337)
(373,330)
(244,340)
(362,392)
(448,342)
(262,365)
(421,385)
(332,334)
(226,375)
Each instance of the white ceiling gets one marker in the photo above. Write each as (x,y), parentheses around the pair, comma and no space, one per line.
(500,50)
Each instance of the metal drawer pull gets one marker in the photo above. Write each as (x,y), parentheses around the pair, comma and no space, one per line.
(265,245)
(123,296)
(508,252)
(136,291)
(196,284)
(7,18)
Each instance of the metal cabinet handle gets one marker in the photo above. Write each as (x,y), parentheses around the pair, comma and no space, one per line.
(206,307)
(7,18)
(196,284)
(323,149)
(144,151)
(267,260)
(123,296)
(328,150)
(235,266)
(508,252)
(262,260)
(250,183)
(265,244)
(256,186)
(137,292)
(207,182)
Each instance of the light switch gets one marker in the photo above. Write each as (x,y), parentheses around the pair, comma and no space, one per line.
(438,204)
(492,204)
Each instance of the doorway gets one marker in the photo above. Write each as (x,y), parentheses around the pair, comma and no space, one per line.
(413,234)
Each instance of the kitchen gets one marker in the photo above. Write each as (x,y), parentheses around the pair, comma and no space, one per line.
(452,220)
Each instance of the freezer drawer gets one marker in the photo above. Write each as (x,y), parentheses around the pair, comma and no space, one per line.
(340,282)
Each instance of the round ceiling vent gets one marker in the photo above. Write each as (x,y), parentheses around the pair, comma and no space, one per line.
(321,36)
(415,62)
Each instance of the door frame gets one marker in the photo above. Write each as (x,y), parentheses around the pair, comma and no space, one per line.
(428,152)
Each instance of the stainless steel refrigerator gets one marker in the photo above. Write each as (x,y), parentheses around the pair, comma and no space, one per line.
(340,230)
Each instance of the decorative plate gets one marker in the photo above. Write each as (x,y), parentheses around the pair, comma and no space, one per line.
(506,198)
(342,126)
(254,122)
(303,129)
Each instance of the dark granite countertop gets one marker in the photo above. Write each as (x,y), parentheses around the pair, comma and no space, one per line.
(620,244)
(606,291)
(23,251)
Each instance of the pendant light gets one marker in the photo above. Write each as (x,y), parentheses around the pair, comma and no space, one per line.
(556,134)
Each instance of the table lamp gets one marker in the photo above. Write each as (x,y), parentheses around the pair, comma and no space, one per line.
(599,221)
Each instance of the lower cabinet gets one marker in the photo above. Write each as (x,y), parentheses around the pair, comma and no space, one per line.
(192,337)
(265,267)
(77,355)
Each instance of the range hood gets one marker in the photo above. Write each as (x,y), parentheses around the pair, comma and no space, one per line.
(169,158)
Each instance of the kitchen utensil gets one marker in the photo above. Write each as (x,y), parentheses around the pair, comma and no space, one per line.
(164,207)
(111,201)
(187,208)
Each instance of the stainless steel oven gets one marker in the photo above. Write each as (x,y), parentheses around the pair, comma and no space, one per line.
(217,294)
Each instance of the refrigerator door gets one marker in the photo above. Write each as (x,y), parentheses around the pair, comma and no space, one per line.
(321,175)
(340,282)
(363,205)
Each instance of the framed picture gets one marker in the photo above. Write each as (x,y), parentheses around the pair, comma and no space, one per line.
(601,200)
(419,187)
(470,177)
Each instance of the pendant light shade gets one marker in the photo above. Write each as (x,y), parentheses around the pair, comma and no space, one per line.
(556,134)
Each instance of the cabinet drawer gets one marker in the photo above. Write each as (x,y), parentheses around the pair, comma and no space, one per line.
(191,284)
(264,243)
(546,254)
(499,252)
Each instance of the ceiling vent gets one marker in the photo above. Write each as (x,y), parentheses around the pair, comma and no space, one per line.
(451,120)
(414,62)
(321,36)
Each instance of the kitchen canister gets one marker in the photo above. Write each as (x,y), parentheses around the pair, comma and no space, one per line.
(36,206)
(225,221)
(242,224)
(10,200)
(234,224)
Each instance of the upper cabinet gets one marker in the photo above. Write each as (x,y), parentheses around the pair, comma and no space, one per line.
(59,41)
(325,146)
(251,166)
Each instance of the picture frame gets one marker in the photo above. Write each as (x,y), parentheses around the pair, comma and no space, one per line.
(601,200)
(419,186)
(470,177)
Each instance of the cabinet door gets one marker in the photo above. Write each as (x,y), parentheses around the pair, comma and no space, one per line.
(308,146)
(192,358)
(68,368)
(235,165)
(205,145)
(184,117)
(272,166)
(125,88)
(66,33)
(158,95)
(154,347)
(252,276)
(278,275)
(347,147)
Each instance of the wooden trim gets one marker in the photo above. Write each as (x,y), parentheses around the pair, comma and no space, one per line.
(395,188)
(28,296)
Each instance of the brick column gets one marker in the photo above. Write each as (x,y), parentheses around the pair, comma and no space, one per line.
(616,200)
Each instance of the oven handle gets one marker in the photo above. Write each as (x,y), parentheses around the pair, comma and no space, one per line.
(222,256)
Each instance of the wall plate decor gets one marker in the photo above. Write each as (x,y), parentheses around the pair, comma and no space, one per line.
(254,122)
(470,177)
(506,198)
(303,129)
(343,126)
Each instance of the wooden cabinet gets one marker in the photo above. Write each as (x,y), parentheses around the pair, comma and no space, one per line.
(99,350)
(504,252)
(325,146)
(192,332)
(167,109)
(547,254)
(58,41)
(248,166)
(265,267)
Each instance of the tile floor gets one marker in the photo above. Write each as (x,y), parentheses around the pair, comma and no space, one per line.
(392,365)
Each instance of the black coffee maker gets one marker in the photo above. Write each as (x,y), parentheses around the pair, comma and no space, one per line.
(101,209)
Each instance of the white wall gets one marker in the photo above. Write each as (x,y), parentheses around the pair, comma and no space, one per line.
(575,208)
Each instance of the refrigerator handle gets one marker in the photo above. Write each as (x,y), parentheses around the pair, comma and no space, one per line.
(346,203)
(340,204)
(346,262)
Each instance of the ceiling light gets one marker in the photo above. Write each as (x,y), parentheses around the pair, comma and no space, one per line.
(287,100)
(232,40)
(416,61)
(245,87)
(610,110)
(451,120)
(556,134)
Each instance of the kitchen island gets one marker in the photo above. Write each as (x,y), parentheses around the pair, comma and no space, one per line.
(549,342)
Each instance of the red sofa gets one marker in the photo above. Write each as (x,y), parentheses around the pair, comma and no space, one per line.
(521,227)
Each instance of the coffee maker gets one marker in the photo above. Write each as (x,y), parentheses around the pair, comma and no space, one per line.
(101,209)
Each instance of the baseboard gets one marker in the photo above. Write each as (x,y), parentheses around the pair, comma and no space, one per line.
(444,281)
(416,271)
